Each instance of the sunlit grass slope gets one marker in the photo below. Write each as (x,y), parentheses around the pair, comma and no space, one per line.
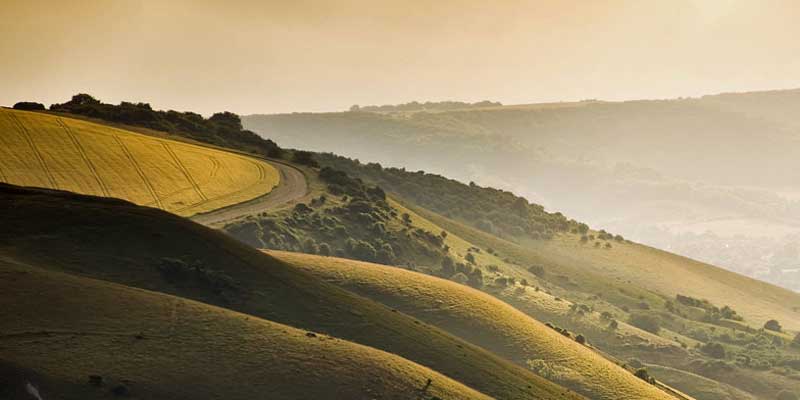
(483,320)
(55,152)
(642,269)
(117,241)
(159,346)
(537,303)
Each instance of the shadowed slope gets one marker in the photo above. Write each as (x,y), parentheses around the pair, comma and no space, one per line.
(158,346)
(123,243)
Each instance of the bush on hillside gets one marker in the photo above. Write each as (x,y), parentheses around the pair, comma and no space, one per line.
(221,129)
(713,349)
(773,325)
(647,322)
(642,374)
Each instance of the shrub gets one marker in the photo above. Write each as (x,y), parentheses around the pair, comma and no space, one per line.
(29,106)
(646,322)
(470,258)
(305,158)
(325,250)
(796,341)
(448,266)
(773,325)
(476,278)
(713,349)
(642,374)
(580,339)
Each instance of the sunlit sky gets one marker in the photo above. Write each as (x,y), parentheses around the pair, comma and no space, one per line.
(280,56)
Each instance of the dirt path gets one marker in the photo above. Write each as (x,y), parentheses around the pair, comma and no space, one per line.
(292,186)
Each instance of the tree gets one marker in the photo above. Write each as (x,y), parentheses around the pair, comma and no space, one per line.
(476,278)
(470,258)
(713,349)
(646,322)
(227,121)
(305,158)
(29,106)
(642,374)
(580,339)
(773,325)
(325,250)
(448,266)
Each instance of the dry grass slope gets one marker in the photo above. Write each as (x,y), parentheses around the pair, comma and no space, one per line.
(483,320)
(68,328)
(68,154)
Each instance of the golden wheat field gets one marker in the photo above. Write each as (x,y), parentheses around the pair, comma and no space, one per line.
(67,154)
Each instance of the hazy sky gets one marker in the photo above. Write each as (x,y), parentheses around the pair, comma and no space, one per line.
(293,55)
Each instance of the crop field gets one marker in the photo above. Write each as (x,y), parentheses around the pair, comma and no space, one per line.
(53,152)
(483,320)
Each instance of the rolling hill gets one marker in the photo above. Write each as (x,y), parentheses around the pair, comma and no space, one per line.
(531,265)
(145,248)
(56,152)
(483,320)
(141,344)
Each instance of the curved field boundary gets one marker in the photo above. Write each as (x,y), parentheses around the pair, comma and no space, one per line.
(27,136)
(85,158)
(186,173)
(294,185)
(139,171)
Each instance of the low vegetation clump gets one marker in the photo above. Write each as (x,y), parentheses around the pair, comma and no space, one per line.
(354,220)
(491,210)
(222,129)
(773,325)
(642,374)
(646,321)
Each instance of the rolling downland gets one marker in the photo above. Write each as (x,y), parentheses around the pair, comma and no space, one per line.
(481,319)
(145,248)
(147,345)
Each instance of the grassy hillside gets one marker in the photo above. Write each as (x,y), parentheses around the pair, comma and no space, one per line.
(615,284)
(484,320)
(55,152)
(147,345)
(676,174)
(145,248)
